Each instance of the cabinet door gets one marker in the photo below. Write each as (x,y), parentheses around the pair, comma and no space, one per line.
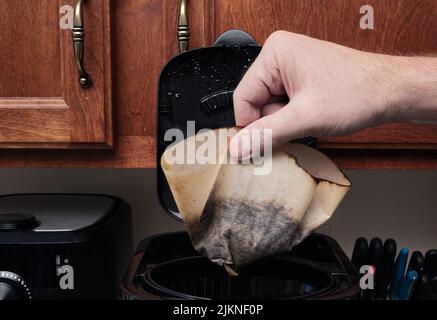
(42,104)
(401,27)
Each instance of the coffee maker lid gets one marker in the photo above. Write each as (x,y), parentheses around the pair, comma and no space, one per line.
(196,87)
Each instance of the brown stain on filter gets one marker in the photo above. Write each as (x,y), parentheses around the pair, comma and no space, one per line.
(234,232)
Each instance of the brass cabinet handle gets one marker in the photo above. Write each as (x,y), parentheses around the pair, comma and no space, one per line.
(78,45)
(183,28)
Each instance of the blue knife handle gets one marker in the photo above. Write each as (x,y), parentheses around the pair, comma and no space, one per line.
(398,273)
(407,285)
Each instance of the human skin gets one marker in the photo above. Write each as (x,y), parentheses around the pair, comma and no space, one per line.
(300,86)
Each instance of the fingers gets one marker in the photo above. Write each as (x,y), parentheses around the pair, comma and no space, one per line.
(286,123)
(259,86)
(259,102)
(272,107)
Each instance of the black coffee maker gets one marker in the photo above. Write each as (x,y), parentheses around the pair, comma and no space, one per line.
(198,86)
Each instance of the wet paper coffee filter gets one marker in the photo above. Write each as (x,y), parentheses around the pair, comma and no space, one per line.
(235,217)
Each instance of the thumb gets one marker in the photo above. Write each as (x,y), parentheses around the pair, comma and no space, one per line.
(288,123)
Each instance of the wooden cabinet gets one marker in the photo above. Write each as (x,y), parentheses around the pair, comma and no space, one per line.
(43,106)
(401,27)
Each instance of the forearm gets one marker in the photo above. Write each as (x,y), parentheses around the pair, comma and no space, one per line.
(416,89)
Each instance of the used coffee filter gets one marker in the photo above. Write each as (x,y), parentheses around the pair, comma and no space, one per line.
(235,217)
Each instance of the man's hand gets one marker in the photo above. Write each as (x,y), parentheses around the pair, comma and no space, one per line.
(300,86)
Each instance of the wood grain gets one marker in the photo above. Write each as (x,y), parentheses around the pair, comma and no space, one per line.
(38,64)
(91,109)
(139,57)
(387,136)
(351,159)
(144,38)
(403,27)
(129,152)
(39,120)
(139,152)
(29,49)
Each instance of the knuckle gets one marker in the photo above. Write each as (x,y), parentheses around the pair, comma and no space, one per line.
(278,36)
(238,98)
(281,37)
(288,39)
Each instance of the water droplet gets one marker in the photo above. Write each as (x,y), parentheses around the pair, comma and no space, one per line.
(169,93)
(177,95)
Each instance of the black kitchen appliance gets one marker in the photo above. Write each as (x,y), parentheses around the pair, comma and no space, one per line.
(198,86)
(168,267)
(63,246)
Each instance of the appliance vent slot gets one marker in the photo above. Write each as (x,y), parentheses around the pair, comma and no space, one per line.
(218,102)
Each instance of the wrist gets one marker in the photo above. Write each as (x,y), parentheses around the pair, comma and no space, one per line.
(413,95)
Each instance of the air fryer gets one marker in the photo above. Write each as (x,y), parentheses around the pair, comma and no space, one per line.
(167,267)
(63,246)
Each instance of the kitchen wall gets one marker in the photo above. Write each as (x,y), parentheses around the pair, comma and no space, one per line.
(398,204)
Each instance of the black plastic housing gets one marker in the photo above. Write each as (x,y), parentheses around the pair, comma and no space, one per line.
(198,86)
(318,260)
(99,253)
